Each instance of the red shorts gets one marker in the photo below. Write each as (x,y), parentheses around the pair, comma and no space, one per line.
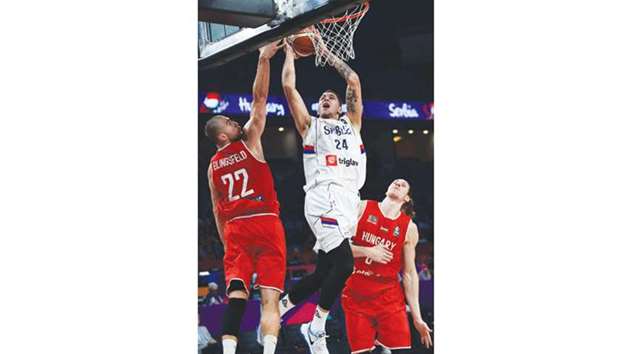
(377,320)
(255,245)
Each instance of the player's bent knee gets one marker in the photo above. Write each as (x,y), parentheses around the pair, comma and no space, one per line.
(269,304)
(344,267)
(269,298)
(319,273)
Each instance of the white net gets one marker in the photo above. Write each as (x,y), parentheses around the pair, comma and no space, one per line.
(335,37)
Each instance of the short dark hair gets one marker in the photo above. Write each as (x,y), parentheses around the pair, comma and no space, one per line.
(213,126)
(335,93)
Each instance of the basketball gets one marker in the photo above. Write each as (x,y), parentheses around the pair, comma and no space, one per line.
(302,43)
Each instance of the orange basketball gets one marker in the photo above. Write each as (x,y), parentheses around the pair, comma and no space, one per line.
(302,43)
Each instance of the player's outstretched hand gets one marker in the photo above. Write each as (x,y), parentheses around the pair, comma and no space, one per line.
(380,254)
(425,332)
(288,50)
(270,49)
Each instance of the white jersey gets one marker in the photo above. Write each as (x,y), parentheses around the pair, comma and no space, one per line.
(334,152)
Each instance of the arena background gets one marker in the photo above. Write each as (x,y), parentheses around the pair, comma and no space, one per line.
(395,63)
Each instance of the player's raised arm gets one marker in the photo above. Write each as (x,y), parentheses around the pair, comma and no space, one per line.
(295,102)
(411,285)
(354,88)
(218,222)
(260,91)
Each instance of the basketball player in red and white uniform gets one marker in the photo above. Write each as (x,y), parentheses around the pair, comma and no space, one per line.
(373,300)
(246,210)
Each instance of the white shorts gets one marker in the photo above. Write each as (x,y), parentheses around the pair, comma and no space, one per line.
(331,211)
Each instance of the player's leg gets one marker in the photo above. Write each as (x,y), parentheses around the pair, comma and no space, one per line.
(238,269)
(393,331)
(233,314)
(269,319)
(318,203)
(360,328)
(307,286)
(340,261)
(270,270)
(331,214)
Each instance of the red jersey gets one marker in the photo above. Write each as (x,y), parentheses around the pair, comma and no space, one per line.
(374,228)
(244,183)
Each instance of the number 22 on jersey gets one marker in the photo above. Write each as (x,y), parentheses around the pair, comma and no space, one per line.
(230,178)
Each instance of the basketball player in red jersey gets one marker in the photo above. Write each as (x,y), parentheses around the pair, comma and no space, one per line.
(246,210)
(373,300)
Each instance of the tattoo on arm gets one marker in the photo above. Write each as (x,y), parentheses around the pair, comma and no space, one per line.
(351,99)
(343,69)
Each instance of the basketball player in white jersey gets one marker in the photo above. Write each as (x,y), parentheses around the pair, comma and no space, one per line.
(335,170)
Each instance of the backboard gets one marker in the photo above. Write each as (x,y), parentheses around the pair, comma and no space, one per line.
(279,18)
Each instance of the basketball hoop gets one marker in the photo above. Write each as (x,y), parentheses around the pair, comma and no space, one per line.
(335,35)
(351,16)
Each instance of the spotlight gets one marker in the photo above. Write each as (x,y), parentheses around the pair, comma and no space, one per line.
(425,132)
(395,131)
(281,129)
(397,138)
(410,131)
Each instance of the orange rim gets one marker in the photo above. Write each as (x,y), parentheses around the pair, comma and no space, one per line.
(358,14)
